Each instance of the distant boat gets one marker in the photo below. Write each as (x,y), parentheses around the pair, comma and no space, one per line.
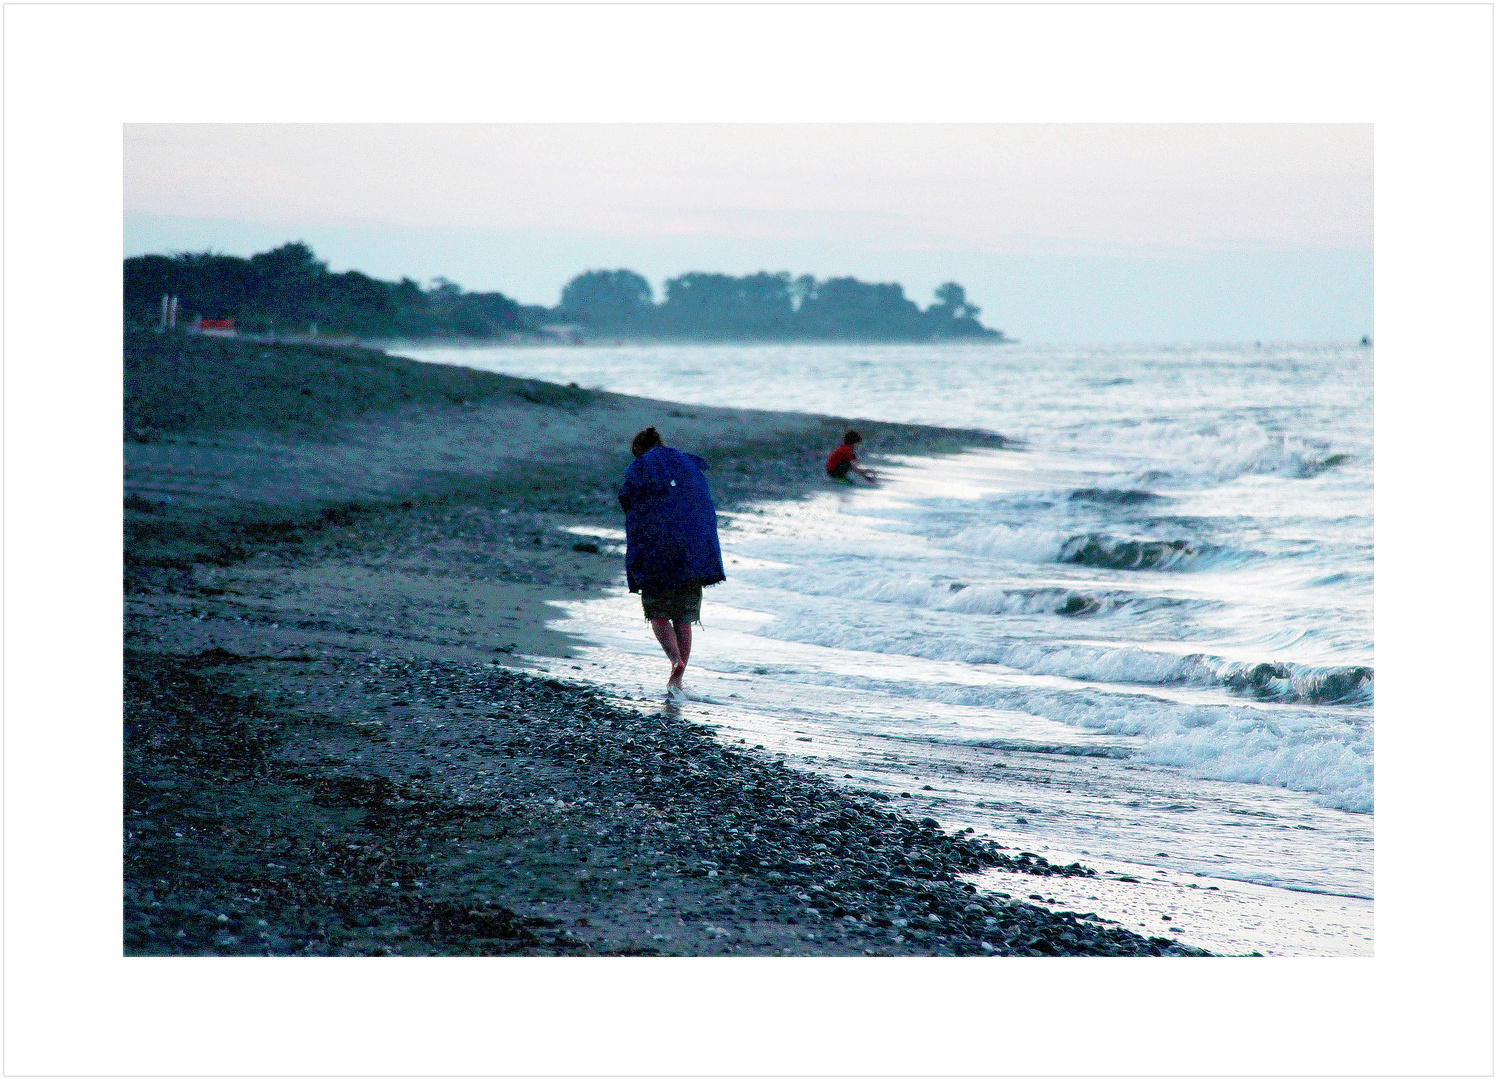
(1366,340)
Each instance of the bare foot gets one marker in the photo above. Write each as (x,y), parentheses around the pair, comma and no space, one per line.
(678,669)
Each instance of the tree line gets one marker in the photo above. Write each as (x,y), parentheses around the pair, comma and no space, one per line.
(766,306)
(289,290)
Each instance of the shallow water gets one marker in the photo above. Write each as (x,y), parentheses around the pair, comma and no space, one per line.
(1143,640)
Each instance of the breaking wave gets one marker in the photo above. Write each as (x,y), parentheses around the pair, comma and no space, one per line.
(1114,496)
(1290,683)
(980,598)
(1100,550)
(1115,553)
(1212,453)
(1297,749)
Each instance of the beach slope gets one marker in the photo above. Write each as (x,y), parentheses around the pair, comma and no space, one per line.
(335,561)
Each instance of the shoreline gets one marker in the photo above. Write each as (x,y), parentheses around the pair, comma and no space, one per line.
(544,337)
(330,750)
(599,340)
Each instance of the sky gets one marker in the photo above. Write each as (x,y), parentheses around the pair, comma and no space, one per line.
(1059,232)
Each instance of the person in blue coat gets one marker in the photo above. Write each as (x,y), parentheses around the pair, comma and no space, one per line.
(671,526)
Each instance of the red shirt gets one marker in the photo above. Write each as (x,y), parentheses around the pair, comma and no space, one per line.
(843,455)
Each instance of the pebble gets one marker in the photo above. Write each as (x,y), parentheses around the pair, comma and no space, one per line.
(670,800)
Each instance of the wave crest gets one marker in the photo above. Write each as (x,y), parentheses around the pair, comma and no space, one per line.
(1116,553)
(1290,682)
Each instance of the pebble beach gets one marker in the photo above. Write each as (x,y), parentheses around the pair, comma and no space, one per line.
(339,737)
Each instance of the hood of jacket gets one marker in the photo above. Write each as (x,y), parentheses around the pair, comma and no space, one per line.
(670,522)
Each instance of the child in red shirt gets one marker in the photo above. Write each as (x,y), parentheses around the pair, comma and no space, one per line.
(841,460)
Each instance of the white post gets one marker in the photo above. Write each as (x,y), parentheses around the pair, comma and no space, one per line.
(165,304)
(175,299)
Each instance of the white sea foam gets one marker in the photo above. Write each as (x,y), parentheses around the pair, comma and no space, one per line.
(981,598)
(1339,774)
(1284,746)
(1172,453)
(1010,542)
(1102,549)
(1177,566)
(915,633)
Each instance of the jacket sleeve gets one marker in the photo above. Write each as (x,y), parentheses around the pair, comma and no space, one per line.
(630,490)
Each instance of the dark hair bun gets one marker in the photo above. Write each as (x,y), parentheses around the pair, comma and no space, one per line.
(645,440)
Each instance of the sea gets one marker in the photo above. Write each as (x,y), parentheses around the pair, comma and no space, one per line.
(1139,638)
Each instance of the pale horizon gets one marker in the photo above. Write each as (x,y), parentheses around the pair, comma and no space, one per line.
(1060,232)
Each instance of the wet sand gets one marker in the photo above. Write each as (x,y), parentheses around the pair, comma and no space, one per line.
(336,563)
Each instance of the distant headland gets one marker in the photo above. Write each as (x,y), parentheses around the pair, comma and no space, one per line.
(290,292)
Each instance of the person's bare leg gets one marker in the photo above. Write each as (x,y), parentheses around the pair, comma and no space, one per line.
(665,633)
(682,631)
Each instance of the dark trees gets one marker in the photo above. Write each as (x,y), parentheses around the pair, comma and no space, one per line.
(356,303)
(951,301)
(849,308)
(766,307)
(609,300)
(716,305)
(289,290)
(951,315)
(287,281)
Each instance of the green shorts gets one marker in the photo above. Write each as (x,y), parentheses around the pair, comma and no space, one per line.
(681,604)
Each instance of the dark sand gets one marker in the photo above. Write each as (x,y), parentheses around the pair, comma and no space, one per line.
(335,561)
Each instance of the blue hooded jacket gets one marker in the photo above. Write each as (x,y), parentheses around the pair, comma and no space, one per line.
(670,522)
